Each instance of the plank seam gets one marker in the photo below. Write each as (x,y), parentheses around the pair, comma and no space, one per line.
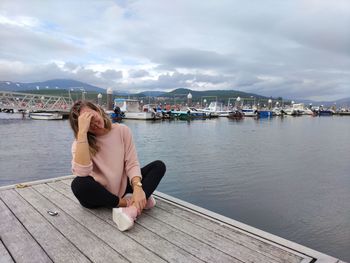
(252,234)
(26,229)
(9,252)
(81,225)
(208,244)
(130,236)
(230,238)
(25,200)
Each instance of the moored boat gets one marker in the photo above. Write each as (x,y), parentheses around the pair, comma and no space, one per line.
(215,109)
(249,112)
(45,116)
(131,110)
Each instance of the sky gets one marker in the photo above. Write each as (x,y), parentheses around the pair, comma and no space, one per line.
(289,48)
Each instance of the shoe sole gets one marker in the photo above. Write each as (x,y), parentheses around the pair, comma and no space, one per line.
(122,220)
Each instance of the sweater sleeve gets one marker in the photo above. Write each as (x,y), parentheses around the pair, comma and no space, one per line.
(78,169)
(131,162)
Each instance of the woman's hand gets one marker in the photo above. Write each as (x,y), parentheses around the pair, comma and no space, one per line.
(139,199)
(84,121)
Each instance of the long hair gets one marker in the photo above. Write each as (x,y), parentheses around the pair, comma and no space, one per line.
(73,120)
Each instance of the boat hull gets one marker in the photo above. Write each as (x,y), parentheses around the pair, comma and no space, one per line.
(139,115)
(45,116)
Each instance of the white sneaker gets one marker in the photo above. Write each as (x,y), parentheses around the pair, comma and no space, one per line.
(124,217)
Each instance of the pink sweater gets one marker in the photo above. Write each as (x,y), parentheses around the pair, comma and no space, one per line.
(115,161)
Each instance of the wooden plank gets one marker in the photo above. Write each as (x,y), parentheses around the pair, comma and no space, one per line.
(184,241)
(17,240)
(52,241)
(150,240)
(5,257)
(67,181)
(236,235)
(316,255)
(240,252)
(130,249)
(26,184)
(249,254)
(93,247)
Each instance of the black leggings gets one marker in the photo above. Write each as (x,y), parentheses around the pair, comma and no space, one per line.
(91,194)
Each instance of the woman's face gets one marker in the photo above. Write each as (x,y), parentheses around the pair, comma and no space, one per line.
(97,125)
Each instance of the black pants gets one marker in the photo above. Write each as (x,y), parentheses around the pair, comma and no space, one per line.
(91,194)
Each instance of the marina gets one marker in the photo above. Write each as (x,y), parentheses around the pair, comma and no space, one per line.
(14,105)
(54,227)
(281,175)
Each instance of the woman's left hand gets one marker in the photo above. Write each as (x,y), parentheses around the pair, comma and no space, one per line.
(139,199)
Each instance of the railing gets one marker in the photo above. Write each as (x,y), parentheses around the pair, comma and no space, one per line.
(34,102)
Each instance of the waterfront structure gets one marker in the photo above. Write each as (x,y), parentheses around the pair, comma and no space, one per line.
(189,99)
(34,102)
(109,99)
(99,99)
(42,221)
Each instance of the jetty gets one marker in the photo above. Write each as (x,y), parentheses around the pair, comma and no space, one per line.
(42,221)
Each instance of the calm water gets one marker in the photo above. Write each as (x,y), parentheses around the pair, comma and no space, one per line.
(286,176)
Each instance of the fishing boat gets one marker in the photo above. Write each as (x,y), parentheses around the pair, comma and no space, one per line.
(189,113)
(265,113)
(298,109)
(247,112)
(45,116)
(11,114)
(215,109)
(236,115)
(131,110)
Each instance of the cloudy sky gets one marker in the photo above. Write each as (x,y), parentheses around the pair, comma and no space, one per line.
(289,48)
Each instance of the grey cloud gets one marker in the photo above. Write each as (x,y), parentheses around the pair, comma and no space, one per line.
(138,73)
(21,44)
(228,44)
(112,74)
(71,66)
(192,58)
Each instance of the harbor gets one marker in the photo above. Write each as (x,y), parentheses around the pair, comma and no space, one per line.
(54,227)
(241,107)
(14,105)
(255,171)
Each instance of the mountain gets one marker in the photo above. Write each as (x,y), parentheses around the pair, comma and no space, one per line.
(153,93)
(49,84)
(345,102)
(213,93)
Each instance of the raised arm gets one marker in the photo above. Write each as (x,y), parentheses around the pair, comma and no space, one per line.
(82,153)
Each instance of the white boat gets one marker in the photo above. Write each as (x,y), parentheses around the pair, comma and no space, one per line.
(301,107)
(247,112)
(131,110)
(45,116)
(298,109)
(277,111)
(215,109)
(6,114)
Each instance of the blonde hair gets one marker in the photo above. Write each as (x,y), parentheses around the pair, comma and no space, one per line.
(73,120)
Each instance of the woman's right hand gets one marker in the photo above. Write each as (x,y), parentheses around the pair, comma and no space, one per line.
(84,121)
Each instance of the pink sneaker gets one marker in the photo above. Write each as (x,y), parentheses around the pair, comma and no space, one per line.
(151,202)
(124,217)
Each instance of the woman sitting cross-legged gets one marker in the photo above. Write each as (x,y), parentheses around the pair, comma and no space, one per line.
(106,166)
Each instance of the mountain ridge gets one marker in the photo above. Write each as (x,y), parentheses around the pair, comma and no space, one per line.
(77,86)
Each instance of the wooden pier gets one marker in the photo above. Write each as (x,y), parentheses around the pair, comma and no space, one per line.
(173,231)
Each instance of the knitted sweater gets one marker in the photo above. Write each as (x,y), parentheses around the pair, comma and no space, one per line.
(114,163)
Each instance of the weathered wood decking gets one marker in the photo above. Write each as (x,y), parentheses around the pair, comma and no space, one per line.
(173,231)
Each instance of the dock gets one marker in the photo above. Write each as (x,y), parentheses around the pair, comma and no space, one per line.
(42,221)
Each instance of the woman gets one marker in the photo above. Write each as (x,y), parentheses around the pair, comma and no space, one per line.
(107,168)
